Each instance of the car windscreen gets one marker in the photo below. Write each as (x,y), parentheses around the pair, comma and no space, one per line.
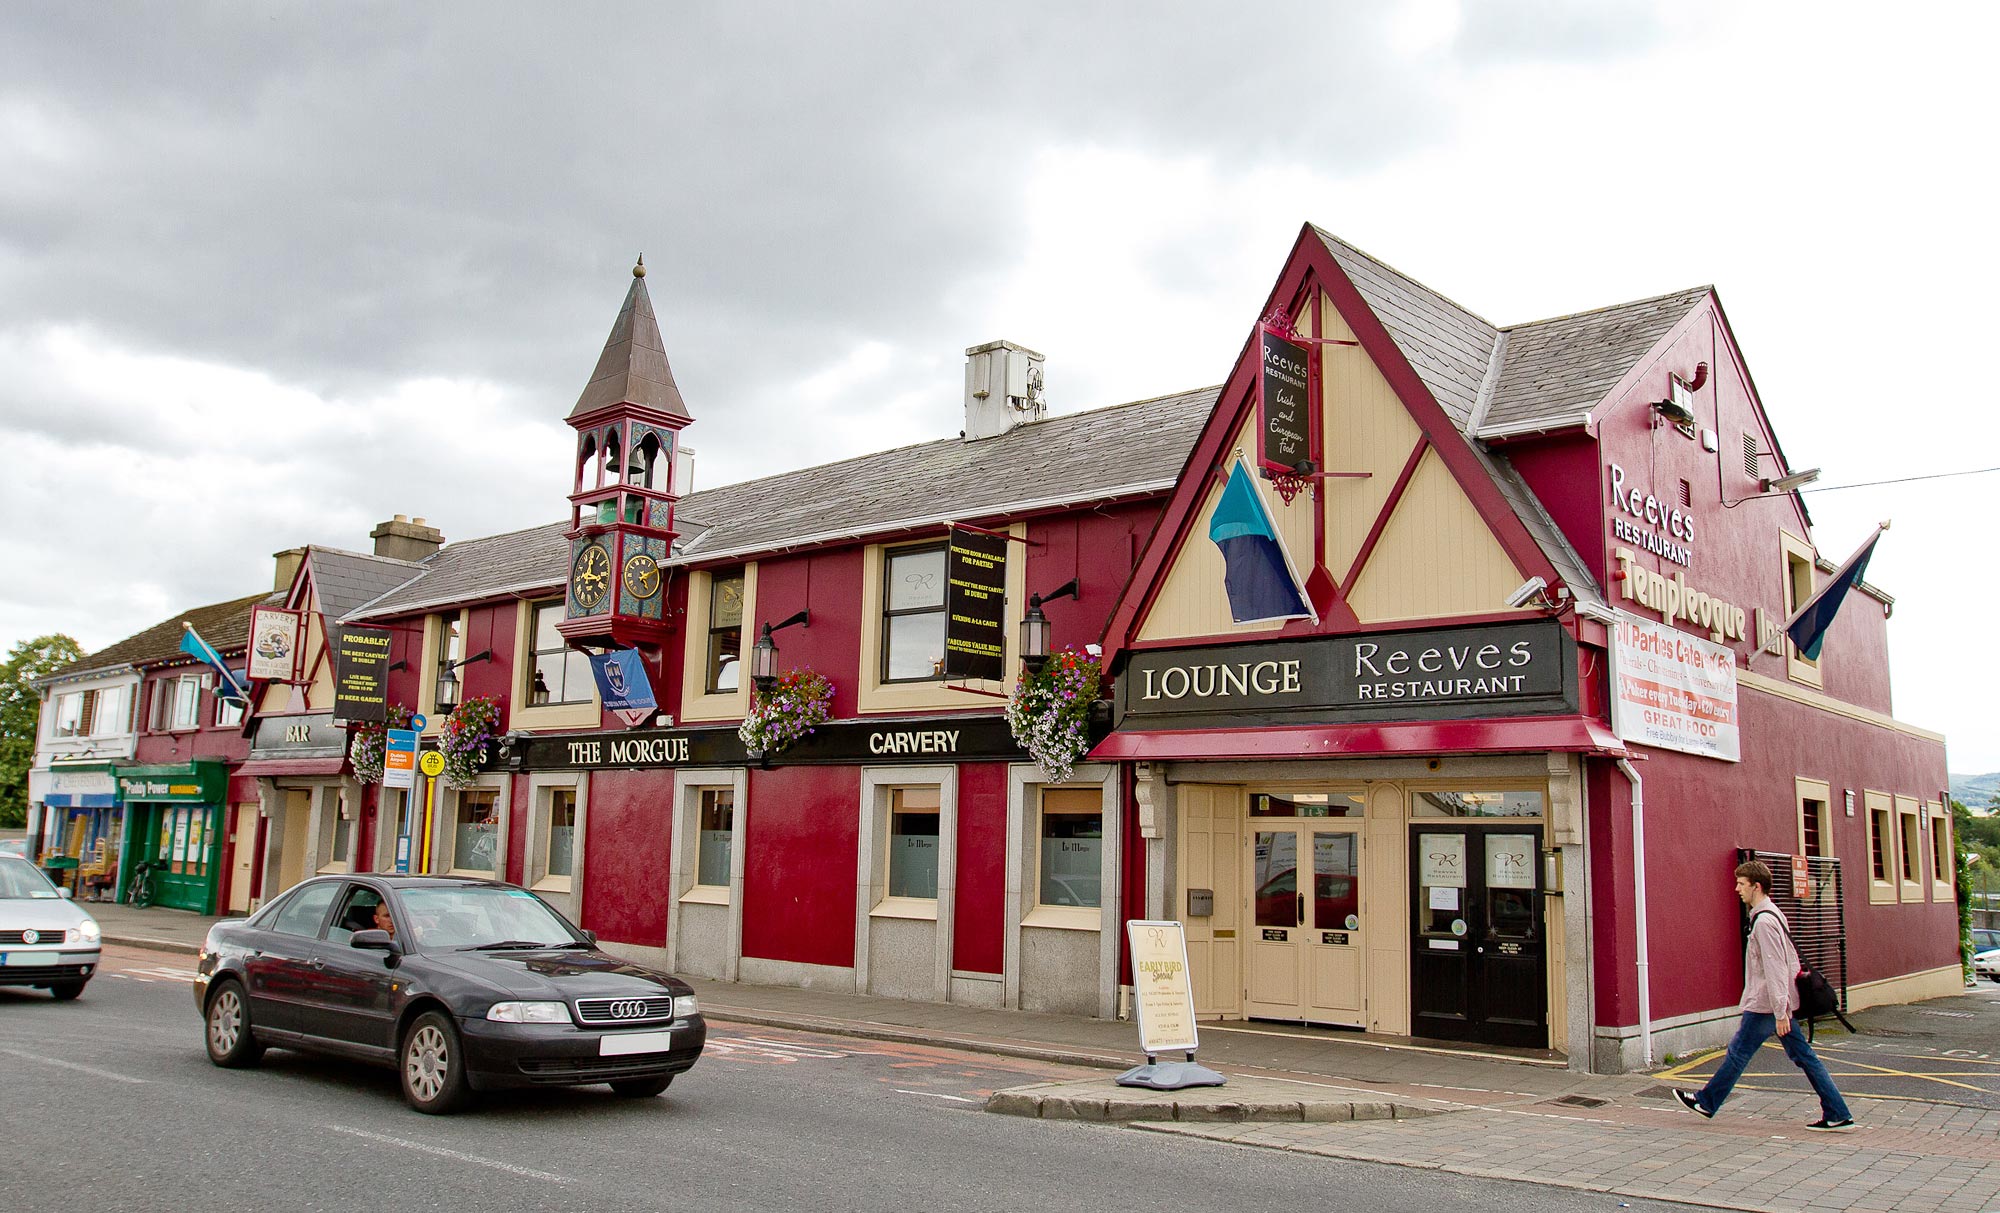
(19,880)
(482,917)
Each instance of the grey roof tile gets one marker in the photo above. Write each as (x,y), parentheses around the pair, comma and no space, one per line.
(1556,370)
(225,625)
(345,580)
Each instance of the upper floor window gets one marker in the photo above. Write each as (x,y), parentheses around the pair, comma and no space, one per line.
(450,643)
(559,674)
(913,615)
(177,702)
(73,713)
(725,632)
(228,713)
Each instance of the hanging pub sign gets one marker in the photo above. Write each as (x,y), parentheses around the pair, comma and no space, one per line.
(274,644)
(1284,415)
(975,605)
(360,674)
(623,685)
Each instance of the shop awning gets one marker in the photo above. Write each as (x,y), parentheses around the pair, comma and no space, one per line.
(270,767)
(1528,734)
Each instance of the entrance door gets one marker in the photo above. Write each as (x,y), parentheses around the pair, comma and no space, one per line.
(1304,958)
(1477,971)
(243,849)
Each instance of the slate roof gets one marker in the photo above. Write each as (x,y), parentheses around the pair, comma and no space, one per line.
(474,569)
(225,625)
(633,367)
(345,580)
(1555,371)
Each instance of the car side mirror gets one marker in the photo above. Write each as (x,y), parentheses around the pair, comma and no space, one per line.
(589,937)
(373,941)
(66,894)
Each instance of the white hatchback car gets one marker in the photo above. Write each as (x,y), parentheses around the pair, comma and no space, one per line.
(1987,964)
(45,939)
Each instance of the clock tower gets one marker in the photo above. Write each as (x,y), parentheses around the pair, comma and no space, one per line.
(628,423)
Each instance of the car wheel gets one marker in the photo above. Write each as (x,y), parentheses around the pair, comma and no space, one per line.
(67,990)
(432,1063)
(642,1088)
(226,1029)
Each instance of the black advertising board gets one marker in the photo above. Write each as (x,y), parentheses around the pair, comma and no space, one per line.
(927,741)
(1284,416)
(1503,669)
(360,674)
(975,605)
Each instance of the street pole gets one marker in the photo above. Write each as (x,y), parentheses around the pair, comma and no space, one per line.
(430,800)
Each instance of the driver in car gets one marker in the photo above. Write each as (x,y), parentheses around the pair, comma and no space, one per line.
(383,922)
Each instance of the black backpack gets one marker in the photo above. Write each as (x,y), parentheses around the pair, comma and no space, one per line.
(1817,996)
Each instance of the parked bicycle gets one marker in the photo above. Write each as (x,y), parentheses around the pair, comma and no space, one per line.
(145,888)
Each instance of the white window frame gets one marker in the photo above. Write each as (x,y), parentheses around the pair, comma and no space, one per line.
(67,720)
(872,866)
(535,859)
(445,843)
(337,803)
(1024,781)
(1042,911)
(1885,890)
(1909,874)
(683,856)
(1804,790)
(1943,850)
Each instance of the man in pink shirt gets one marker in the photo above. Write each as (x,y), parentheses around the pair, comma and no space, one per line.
(1770,965)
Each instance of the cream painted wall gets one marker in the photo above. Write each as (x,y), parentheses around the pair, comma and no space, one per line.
(1436,556)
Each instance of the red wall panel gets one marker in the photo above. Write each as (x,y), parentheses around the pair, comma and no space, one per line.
(517,830)
(627,847)
(799,864)
(979,908)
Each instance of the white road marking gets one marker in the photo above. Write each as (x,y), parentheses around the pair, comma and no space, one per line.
(934,1095)
(460,1155)
(71,1065)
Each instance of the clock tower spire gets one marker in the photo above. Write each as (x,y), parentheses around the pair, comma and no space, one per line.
(628,422)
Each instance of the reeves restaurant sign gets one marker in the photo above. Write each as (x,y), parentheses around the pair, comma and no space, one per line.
(1508,669)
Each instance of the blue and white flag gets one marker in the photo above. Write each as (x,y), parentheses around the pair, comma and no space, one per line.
(623,686)
(227,684)
(1258,572)
(1807,629)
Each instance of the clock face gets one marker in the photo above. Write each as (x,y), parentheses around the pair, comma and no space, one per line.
(590,576)
(642,576)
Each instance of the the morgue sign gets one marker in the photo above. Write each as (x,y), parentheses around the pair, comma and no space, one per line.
(1504,669)
(1284,418)
(932,739)
(975,605)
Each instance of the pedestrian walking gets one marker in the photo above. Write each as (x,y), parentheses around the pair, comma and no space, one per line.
(1770,965)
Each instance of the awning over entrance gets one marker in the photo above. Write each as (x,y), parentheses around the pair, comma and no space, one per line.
(270,767)
(1521,734)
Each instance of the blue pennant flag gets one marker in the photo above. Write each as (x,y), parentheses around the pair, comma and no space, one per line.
(227,684)
(1807,629)
(1257,571)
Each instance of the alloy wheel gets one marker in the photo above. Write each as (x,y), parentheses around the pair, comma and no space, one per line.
(426,1060)
(225,1023)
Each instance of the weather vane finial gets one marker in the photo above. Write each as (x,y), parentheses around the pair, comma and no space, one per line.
(639,270)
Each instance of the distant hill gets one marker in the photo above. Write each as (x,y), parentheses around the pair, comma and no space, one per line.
(1975,791)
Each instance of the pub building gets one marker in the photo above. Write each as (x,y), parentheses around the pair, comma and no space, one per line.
(1484,624)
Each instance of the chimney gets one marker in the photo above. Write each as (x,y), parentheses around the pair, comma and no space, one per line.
(403,538)
(1003,389)
(289,561)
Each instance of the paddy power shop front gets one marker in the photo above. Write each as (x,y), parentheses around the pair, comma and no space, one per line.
(172,814)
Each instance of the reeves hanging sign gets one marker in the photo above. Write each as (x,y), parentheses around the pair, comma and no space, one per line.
(1284,401)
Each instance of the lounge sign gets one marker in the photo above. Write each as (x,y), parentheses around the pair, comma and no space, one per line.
(1508,669)
(873,743)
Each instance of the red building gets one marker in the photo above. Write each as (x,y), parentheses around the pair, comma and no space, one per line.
(1531,703)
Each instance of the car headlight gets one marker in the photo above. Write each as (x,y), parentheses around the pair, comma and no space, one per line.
(529,1012)
(89,932)
(684,1006)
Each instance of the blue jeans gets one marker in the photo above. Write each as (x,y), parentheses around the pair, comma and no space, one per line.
(1756,1028)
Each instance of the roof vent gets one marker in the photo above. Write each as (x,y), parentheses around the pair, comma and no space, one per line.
(1003,389)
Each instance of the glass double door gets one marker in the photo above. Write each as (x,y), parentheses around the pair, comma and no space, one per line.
(1304,957)
(1478,965)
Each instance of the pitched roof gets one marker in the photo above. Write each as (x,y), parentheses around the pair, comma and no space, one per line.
(1555,371)
(633,367)
(1057,460)
(345,580)
(225,625)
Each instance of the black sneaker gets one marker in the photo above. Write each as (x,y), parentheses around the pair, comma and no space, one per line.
(1831,1126)
(1692,1104)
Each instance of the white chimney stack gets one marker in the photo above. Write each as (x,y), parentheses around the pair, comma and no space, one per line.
(1003,389)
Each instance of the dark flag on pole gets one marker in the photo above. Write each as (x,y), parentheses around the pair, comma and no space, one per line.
(1807,629)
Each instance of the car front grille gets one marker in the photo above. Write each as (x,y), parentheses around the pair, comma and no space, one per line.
(619,1012)
(601,1069)
(35,975)
(47,935)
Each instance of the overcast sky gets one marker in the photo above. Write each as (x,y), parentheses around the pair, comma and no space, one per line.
(272,273)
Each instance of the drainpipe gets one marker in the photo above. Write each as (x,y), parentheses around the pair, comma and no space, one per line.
(1639,898)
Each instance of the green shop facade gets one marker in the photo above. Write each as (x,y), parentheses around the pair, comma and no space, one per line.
(173,820)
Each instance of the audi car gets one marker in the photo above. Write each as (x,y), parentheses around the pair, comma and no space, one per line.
(461,985)
(45,939)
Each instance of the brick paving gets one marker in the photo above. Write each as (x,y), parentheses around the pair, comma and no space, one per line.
(1907,1156)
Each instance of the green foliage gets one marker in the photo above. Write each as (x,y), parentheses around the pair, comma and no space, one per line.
(20,709)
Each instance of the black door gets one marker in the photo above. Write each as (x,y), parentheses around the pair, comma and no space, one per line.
(348,989)
(1478,963)
(278,968)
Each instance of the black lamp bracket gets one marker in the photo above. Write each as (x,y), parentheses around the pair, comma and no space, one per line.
(1067,589)
(801,618)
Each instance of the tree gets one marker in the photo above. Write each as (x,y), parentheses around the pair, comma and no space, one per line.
(20,711)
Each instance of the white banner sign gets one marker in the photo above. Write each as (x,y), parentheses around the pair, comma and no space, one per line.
(1441,861)
(1673,690)
(1510,861)
(274,644)
(1162,994)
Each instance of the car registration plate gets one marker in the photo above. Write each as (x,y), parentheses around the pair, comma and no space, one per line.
(626,1043)
(24,959)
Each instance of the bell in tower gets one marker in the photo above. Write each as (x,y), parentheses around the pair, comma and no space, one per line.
(628,423)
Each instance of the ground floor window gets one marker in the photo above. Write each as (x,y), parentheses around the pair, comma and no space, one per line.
(559,833)
(475,832)
(1071,853)
(913,842)
(1455,803)
(336,833)
(714,830)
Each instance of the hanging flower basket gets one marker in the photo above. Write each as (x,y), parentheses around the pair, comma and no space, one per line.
(370,742)
(466,737)
(801,701)
(1050,708)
